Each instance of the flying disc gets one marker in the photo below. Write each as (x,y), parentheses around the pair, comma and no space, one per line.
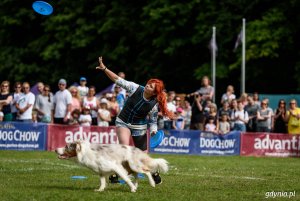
(42,7)
(156,139)
(78,177)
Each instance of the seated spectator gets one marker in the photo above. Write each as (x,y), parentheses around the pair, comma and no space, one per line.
(74,120)
(210,125)
(240,117)
(292,117)
(263,117)
(252,109)
(224,126)
(178,122)
(279,118)
(229,95)
(103,113)
(85,119)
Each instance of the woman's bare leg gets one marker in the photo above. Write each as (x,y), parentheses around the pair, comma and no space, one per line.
(124,135)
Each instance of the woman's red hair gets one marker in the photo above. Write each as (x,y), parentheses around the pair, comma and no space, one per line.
(161,97)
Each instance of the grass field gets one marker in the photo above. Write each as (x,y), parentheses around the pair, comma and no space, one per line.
(41,176)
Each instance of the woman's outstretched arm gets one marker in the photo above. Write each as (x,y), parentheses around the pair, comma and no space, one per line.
(111,75)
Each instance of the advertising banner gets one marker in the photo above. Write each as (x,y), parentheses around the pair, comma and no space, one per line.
(23,136)
(199,143)
(60,135)
(264,144)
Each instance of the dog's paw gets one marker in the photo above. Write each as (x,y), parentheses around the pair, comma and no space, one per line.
(99,190)
(133,190)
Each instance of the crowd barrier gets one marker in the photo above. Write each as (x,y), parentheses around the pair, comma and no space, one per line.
(38,136)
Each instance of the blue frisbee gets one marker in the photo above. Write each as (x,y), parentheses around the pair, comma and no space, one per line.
(156,139)
(42,7)
(78,177)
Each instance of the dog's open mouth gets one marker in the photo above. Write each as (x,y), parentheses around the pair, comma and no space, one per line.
(63,156)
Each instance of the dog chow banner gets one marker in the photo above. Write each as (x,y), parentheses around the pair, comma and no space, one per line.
(60,135)
(199,143)
(23,136)
(264,144)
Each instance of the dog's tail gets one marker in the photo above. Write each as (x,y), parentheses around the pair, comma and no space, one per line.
(159,164)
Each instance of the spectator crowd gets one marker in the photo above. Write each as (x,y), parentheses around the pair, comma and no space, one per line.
(79,105)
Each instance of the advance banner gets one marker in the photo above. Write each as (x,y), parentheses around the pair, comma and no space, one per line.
(264,144)
(60,135)
(22,136)
(199,143)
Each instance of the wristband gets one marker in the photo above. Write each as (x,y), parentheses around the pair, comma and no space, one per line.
(104,68)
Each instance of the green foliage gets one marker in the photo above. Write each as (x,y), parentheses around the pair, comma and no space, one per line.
(164,39)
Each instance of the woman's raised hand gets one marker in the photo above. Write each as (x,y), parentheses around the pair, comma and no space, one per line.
(101,65)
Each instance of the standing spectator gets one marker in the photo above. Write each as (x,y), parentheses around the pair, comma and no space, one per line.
(234,108)
(62,103)
(224,126)
(279,118)
(103,113)
(210,125)
(85,119)
(82,88)
(92,101)
(1,115)
(122,90)
(171,107)
(76,98)
(187,114)
(178,122)
(206,89)
(256,98)
(114,109)
(40,87)
(198,118)
(16,95)
(229,95)
(44,105)
(177,102)
(225,110)
(5,101)
(252,109)
(293,118)
(119,97)
(263,117)
(25,104)
(213,113)
(240,117)
(244,99)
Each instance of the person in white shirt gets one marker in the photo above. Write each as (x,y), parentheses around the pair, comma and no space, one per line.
(240,117)
(103,113)
(85,119)
(25,104)
(62,104)
(82,88)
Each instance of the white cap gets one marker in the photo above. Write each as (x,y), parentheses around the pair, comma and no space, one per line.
(104,100)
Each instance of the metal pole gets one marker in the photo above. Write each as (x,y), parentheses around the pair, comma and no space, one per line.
(213,58)
(243,77)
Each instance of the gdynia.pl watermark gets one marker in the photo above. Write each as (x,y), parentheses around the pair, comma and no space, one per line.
(284,194)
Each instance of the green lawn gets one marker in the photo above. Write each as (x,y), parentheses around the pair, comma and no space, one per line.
(41,176)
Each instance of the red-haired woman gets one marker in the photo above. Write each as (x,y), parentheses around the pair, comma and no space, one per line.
(142,102)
